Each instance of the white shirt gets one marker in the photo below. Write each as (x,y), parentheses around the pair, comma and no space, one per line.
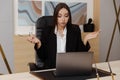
(61,40)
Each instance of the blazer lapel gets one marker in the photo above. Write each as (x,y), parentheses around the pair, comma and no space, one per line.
(68,38)
(53,40)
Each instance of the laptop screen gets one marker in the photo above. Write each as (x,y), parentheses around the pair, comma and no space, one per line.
(74,63)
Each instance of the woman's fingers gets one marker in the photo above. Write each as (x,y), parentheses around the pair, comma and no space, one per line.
(93,35)
(34,40)
(31,39)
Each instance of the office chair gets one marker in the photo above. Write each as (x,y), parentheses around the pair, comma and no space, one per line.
(40,24)
(5,60)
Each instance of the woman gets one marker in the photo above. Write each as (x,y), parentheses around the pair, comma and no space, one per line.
(62,37)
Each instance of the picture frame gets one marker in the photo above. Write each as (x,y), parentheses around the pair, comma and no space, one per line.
(26,13)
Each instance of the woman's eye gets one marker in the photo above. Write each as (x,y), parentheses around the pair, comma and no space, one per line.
(66,16)
(59,16)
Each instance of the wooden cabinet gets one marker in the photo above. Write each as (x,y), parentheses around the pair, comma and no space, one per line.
(23,53)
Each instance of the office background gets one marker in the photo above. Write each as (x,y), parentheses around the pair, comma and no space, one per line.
(101,18)
(26,12)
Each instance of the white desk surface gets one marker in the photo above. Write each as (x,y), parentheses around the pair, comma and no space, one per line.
(115,65)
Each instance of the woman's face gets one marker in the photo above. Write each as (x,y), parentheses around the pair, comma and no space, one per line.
(62,17)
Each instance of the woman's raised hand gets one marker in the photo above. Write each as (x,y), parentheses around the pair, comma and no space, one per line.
(91,36)
(33,39)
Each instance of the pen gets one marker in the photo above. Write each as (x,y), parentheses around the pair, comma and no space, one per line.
(30,33)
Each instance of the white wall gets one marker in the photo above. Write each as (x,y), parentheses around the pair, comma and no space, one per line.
(107,21)
(6,33)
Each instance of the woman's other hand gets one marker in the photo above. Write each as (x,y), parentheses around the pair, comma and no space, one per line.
(91,36)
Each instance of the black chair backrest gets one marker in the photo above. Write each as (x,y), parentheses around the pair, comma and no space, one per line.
(43,22)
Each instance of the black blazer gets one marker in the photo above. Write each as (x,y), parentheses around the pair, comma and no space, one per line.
(47,52)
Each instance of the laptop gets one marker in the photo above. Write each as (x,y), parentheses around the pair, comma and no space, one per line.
(74,64)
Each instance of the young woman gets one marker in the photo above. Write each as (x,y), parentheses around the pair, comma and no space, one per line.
(62,37)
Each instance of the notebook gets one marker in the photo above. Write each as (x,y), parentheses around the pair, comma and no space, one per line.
(74,64)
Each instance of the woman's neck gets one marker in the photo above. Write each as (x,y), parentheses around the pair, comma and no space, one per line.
(59,28)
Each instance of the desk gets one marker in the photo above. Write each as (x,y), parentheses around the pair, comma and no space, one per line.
(115,65)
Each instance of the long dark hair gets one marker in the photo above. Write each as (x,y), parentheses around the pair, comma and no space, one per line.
(58,8)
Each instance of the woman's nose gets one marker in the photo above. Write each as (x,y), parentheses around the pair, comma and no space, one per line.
(63,19)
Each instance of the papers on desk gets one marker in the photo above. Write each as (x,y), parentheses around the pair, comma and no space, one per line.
(19,76)
(44,70)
